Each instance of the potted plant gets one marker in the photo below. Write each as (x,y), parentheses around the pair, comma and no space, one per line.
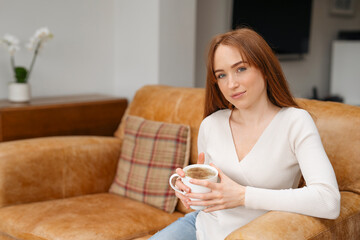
(19,90)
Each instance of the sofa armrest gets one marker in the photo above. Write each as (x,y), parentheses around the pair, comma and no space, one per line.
(56,167)
(284,225)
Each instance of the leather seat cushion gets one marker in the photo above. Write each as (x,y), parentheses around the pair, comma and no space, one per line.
(97,216)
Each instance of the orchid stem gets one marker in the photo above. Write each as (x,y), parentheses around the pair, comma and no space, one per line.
(33,60)
(12,60)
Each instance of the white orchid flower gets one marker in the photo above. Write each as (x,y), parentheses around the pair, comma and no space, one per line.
(13,49)
(11,40)
(31,44)
(43,34)
(11,43)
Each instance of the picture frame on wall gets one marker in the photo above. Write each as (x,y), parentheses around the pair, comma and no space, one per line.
(342,7)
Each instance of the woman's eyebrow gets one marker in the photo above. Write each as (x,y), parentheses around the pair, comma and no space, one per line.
(238,63)
(232,66)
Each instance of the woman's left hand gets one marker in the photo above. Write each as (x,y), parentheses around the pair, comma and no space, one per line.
(223,195)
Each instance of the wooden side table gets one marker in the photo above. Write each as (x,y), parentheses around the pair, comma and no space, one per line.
(58,116)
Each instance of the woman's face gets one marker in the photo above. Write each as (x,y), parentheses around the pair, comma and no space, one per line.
(242,85)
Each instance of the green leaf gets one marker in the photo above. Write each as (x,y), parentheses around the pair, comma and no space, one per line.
(20,74)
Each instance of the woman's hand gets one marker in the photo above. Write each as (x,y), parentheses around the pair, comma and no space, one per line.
(179,184)
(223,195)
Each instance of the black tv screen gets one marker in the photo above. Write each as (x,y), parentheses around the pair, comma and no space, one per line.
(284,24)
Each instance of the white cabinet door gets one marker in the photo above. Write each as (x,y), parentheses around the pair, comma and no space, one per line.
(345,71)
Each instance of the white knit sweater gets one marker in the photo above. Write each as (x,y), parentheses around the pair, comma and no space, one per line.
(289,146)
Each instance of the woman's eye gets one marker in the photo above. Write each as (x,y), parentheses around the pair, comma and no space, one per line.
(220,76)
(241,69)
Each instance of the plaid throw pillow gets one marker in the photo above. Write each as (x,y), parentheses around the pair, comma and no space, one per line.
(151,152)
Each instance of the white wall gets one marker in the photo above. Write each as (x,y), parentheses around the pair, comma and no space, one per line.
(136,45)
(177,42)
(213,17)
(155,44)
(112,47)
(303,75)
(80,58)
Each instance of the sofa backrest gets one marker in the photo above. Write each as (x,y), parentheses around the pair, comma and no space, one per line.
(339,128)
(338,124)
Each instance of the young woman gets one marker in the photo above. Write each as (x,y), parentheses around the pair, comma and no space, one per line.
(260,141)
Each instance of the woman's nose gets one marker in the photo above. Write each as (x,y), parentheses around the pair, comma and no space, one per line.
(233,81)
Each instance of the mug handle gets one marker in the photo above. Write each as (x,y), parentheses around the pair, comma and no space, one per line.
(174,187)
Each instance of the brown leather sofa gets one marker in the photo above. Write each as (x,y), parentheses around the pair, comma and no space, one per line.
(57,187)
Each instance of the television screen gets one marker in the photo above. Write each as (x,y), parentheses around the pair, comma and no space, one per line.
(284,24)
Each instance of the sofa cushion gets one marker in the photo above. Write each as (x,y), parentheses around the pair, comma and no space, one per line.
(151,152)
(169,104)
(97,216)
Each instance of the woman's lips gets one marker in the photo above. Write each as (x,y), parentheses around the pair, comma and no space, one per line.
(238,95)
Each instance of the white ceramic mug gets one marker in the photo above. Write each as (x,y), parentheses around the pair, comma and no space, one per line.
(195,188)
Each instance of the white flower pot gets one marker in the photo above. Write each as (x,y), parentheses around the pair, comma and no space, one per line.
(19,92)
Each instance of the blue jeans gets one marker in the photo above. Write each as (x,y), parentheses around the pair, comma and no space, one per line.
(182,229)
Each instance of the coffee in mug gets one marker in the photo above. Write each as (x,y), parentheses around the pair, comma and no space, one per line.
(196,171)
(200,173)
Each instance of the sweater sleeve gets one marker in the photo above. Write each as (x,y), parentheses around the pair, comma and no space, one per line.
(320,197)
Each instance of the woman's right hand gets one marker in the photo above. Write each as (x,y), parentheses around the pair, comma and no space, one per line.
(180,185)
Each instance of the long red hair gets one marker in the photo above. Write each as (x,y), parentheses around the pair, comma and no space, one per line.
(253,49)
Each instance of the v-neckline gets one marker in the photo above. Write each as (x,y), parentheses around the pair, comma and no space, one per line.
(257,141)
